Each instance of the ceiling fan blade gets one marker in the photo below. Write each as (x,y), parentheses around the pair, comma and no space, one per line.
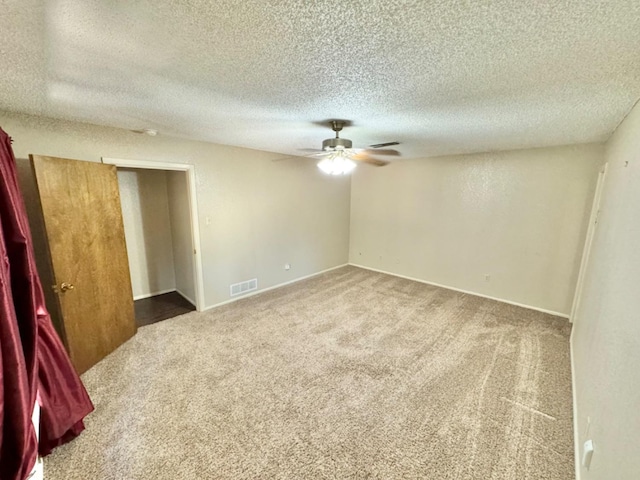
(282,159)
(299,157)
(388,151)
(310,150)
(380,145)
(361,157)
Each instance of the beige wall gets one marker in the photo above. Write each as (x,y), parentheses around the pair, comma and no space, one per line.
(519,217)
(262,213)
(147,228)
(181,234)
(606,335)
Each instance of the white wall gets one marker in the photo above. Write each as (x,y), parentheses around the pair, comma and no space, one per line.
(606,334)
(181,233)
(518,216)
(145,214)
(263,213)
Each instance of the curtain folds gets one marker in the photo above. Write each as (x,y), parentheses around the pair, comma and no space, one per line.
(32,358)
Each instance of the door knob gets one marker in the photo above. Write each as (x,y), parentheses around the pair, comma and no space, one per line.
(65,287)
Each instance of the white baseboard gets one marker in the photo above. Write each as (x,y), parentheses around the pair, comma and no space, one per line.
(550,312)
(186,297)
(576,422)
(147,295)
(274,287)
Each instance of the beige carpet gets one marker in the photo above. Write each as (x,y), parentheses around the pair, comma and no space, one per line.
(349,375)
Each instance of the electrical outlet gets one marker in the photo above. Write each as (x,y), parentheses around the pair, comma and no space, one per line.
(587,454)
(287,266)
(487,277)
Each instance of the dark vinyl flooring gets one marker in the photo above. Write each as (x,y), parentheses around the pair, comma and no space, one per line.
(160,307)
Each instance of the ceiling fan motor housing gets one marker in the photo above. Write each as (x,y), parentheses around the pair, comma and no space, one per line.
(336,144)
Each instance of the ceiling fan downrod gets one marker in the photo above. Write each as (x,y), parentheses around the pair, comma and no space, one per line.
(336,143)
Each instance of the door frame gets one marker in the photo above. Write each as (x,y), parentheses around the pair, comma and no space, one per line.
(586,253)
(193,210)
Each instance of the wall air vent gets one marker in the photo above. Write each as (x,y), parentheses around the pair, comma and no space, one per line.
(244,287)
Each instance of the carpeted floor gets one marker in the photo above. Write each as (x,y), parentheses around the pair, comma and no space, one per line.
(348,375)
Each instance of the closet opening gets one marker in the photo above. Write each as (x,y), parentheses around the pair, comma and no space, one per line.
(161,231)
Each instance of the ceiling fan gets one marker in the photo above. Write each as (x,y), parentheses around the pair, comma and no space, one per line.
(340,157)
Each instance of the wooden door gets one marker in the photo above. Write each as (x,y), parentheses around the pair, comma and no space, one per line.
(80,204)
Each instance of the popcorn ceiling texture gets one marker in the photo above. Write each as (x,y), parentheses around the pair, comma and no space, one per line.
(442,77)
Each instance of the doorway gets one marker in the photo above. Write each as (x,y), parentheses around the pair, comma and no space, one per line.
(163,241)
(591,231)
(78,237)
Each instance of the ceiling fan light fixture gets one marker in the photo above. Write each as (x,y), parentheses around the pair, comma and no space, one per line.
(337,165)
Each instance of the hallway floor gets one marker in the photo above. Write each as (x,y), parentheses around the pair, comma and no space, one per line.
(160,307)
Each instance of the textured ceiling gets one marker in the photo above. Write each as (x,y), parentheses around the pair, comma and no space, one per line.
(440,76)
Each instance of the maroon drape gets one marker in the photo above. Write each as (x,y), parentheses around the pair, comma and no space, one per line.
(32,358)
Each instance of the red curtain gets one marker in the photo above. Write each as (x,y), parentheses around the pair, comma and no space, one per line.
(32,357)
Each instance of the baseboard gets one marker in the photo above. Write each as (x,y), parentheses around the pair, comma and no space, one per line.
(576,422)
(147,295)
(186,297)
(280,285)
(550,312)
